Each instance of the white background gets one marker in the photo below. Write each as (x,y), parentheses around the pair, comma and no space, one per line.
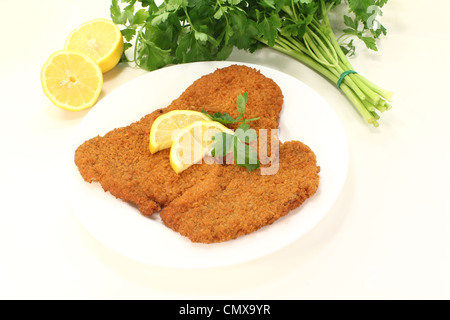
(387,237)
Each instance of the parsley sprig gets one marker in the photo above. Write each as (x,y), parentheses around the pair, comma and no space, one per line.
(225,118)
(239,143)
(180,31)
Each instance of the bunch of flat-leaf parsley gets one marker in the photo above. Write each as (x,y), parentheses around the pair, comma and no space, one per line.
(180,31)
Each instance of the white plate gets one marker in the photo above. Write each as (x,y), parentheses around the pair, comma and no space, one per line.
(305,116)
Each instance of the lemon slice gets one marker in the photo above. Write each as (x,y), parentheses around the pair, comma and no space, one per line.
(71,80)
(99,39)
(193,142)
(167,125)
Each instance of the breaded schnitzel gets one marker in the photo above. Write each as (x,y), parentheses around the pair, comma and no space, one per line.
(207,202)
(121,162)
(236,202)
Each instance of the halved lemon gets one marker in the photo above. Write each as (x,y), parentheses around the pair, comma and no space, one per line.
(99,39)
(71,80)
(167,125)
(193,142)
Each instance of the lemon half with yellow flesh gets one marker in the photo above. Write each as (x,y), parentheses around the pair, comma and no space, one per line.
(99,39)
(71,80)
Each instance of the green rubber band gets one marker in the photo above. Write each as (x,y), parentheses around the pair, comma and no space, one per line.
(343,75)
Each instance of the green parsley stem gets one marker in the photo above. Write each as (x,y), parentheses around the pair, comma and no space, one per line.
(284,46)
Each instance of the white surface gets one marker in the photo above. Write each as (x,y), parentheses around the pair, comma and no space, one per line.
(388,235)
(94,207)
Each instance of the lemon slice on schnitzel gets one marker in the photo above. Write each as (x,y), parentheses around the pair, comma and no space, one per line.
(166,126)
(99,39)
(71,80)
(193,142)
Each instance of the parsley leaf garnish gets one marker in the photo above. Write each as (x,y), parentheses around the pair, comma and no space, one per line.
(225,118)
(239,143)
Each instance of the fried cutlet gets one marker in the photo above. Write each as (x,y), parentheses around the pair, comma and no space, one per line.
(121,162)
(209,202)
(236,202)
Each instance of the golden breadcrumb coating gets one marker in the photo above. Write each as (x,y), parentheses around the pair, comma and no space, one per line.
(121,162)
(236,201)
(196,201)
